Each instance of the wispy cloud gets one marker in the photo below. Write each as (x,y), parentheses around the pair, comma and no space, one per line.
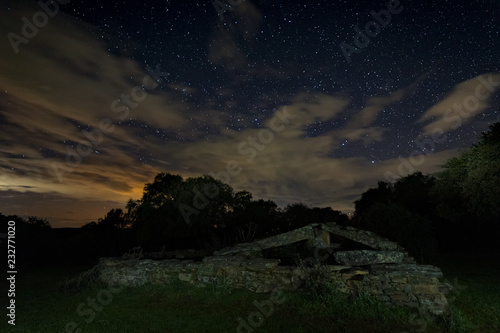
(224,49)
(466,100)
(65,90)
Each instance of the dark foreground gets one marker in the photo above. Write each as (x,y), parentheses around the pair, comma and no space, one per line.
(44,305)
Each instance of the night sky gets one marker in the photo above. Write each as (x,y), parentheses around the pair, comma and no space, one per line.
(315,101)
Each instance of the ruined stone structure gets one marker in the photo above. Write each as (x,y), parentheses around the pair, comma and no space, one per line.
(358,261)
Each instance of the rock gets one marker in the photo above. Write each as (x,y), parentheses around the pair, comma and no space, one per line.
(260,264)
(255,248)
(335,268)
(385,271)
(362,236)
(242,249)
(321,240)
(366,257)
(352,272)
(317,234)
(187,277)
(406,269)
(224,260)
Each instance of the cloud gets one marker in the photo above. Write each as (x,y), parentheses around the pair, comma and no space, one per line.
(223,48)
(309,108)
(467,99)
(251,19)
(224,51)
(288,166)
(291,167)
(51,106)
(56,89)
(59,210)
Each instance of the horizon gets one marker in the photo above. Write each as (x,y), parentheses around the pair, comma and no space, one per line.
(293,102)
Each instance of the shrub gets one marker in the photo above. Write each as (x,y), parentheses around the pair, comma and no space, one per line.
(316,279)
(221,285)
(135,253)
(87,279)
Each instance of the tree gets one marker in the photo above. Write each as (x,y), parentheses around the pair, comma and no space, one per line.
(459,205)
(295,216)
(411,230)
(34,238)
(40,224)
(265,214)
(382,194)
(468,189)
(179,212)
(252,218)
(413,193)
(475,174)
(327,214)
(163,190)
(492,137)
(403,211)
(115,218)
(210,201)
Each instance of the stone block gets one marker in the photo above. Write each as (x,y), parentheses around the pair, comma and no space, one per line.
(363,237)
(425,289)
(399,279)
(367,257)
(389,273)
(186,277)
(406,269)
(259,264)
(399,297)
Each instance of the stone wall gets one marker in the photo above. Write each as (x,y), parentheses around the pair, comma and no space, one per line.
(384,270)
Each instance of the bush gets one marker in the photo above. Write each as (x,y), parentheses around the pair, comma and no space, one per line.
(221,285)
(87,279)
(135,253)
(316,278)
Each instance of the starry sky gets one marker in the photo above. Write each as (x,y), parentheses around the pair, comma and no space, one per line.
(309,101)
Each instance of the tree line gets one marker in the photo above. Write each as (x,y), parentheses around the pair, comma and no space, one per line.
(205,213)
(456,208)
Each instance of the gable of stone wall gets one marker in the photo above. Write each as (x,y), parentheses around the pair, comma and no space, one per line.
(386,272)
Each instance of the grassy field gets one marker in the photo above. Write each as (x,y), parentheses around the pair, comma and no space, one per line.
(42,305)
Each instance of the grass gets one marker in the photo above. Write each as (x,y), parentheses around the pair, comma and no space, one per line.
(42,305)
(475,299)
